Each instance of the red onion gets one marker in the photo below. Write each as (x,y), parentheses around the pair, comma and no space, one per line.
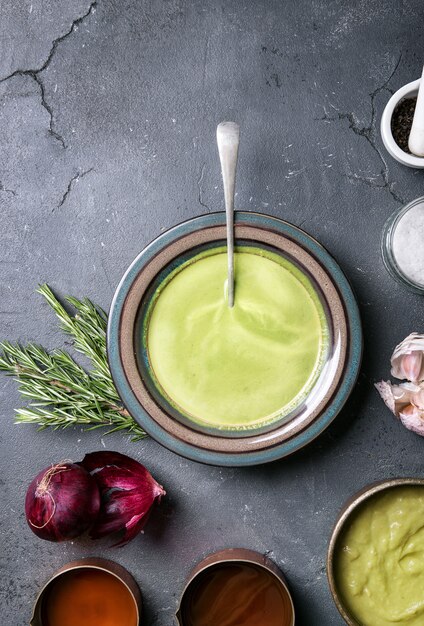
(62,502)
(127,492)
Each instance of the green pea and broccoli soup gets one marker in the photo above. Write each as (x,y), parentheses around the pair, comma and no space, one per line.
(240,367)
(380,559)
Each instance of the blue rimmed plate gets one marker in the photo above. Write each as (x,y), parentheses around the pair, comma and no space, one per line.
(132,373)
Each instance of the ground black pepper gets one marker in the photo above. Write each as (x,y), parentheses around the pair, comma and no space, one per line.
(401,124)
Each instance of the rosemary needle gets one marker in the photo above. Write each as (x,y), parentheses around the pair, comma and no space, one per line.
(61,393)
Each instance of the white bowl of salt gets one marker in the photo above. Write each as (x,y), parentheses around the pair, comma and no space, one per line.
(403,245)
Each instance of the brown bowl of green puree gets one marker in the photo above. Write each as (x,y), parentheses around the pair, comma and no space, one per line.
(375,561)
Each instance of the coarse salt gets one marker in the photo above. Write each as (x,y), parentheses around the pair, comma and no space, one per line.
(408,244)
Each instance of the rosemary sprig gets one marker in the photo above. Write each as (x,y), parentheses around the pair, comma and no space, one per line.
(60,391)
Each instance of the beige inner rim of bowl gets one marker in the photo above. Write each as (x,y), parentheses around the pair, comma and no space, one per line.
(128,358)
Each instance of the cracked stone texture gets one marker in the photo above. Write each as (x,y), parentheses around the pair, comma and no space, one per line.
(108,116)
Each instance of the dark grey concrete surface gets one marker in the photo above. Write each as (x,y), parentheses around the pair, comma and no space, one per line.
(108,115)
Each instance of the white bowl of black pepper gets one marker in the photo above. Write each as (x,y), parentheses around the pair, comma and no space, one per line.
(396,123)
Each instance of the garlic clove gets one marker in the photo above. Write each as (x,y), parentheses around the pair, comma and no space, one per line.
(417,398)
(396,397)
(413,419)
(407,358)
(410,365)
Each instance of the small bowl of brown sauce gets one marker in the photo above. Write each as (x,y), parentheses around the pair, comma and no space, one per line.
(236,587)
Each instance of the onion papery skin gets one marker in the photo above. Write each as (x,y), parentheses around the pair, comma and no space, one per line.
(128,492)
(62,502)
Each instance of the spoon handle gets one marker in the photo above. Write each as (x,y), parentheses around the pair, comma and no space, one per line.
(227,136)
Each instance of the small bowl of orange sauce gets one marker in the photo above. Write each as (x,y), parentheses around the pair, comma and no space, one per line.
(89,592)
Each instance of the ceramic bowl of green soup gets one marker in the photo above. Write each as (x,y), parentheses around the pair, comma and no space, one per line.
(375,560)
(241,385)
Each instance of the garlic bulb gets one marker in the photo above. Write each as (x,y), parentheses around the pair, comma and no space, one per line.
(406,400)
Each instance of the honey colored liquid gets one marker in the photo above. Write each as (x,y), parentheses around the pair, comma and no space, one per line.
(88,597)
(237,594)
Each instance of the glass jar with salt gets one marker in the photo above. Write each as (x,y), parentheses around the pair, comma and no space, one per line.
(403,245)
